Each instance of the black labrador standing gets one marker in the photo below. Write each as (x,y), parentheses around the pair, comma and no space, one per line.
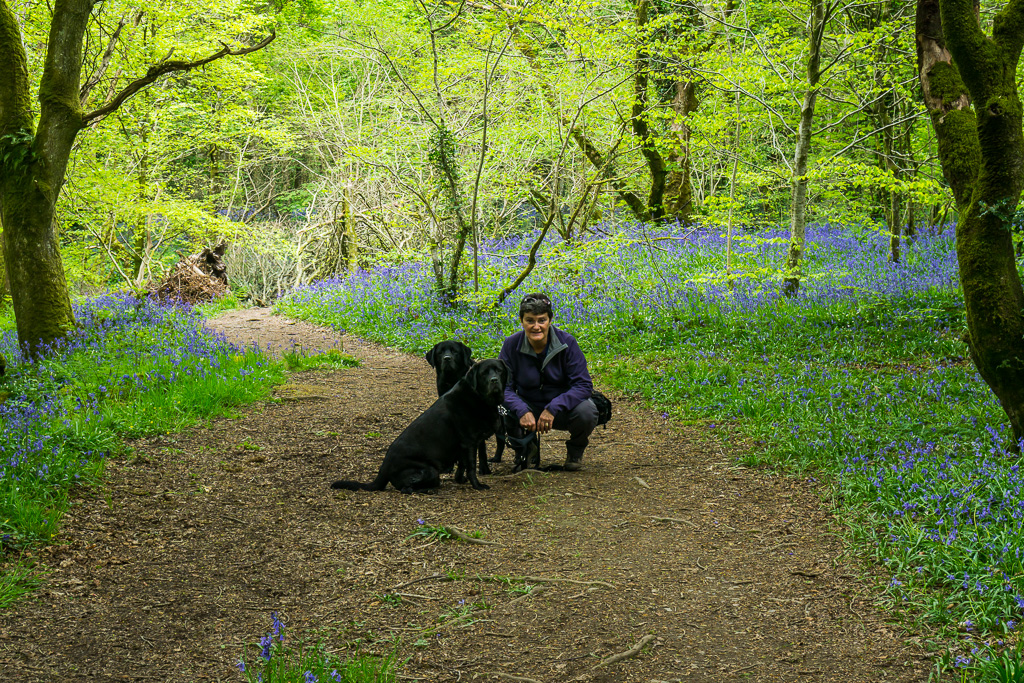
(446,433)
(451,360)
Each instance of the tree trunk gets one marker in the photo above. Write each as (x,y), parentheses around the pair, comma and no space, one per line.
(895,221)
(349,243)
(33,178)
(984,164)
(638,119)
(948,104)
(798,202)
(678,187)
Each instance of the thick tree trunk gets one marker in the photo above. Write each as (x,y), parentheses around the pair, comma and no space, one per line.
(798,196)
(678,187)
(985,167)
(639,123)
(29,190)
(948,104)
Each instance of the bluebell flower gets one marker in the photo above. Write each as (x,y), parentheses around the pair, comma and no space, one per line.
(265,643)
(277,627)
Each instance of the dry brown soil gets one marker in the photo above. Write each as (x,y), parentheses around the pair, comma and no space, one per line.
(724,573)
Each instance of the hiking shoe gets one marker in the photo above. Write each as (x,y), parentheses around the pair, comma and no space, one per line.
(573,463)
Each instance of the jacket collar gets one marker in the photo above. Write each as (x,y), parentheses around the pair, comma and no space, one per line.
(555,346)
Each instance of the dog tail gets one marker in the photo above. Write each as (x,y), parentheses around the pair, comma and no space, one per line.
(378,484)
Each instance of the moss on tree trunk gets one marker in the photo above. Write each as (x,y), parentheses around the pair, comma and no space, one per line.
(39,292)
(982,155)
(33,175)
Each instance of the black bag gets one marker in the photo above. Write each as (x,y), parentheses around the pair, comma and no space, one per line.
(604,407)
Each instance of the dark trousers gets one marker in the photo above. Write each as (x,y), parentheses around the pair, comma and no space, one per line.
(579,422)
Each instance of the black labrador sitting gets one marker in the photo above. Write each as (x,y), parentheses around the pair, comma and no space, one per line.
(446,433)
(451,360)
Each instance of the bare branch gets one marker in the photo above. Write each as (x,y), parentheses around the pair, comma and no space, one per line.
(104,63)
(163,68)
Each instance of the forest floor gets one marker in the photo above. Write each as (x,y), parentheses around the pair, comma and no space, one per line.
(171,567)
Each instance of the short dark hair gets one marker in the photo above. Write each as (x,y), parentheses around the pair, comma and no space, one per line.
(537,304)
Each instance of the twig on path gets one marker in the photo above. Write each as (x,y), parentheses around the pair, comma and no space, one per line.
(855,612)
(631,652)
(780,545)
(510,677)
(536,590)
(800,572)
(526,471)
(581,593)
(674,519)
(432,577)
(545,579)
(463,536)
(415,596)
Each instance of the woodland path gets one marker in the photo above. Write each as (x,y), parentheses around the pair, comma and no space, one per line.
(177,561)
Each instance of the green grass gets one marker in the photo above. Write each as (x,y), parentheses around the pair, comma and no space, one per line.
(277,659)
(298,360)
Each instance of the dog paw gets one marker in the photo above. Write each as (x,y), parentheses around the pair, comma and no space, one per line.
(481,487)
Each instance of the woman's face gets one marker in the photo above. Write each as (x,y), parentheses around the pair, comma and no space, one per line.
(537,327)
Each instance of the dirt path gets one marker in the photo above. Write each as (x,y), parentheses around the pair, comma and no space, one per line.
(179,561)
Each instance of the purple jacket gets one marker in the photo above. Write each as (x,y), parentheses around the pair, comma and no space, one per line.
(557,381)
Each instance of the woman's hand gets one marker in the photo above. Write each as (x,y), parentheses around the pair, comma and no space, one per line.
(541,425)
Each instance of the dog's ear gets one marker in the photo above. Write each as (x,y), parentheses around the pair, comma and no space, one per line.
(506,373)
(430,355)
(474,377)
(467,354)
